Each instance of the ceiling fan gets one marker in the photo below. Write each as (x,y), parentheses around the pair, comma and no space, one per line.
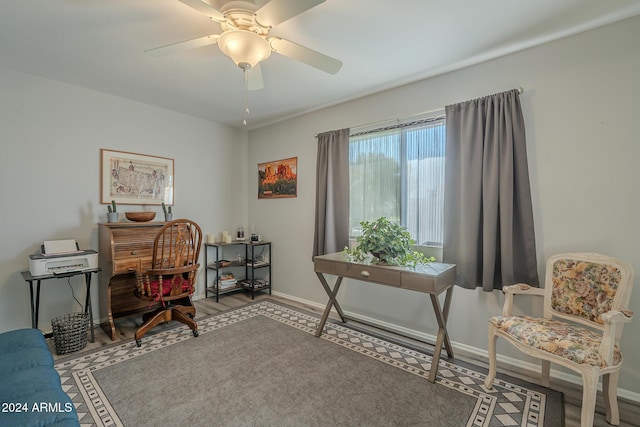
(245,37)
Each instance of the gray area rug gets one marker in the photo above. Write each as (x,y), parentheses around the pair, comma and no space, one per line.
(261,365)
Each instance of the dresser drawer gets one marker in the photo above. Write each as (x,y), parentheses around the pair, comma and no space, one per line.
(123,251)
(438,278)
(135,242)
(370,273)
(126,266)
(145,263)
(131,265)
(324,266)
(338,265)
(420,283)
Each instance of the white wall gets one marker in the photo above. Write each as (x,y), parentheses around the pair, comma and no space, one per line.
(581,111)
(51,134)
(580,106)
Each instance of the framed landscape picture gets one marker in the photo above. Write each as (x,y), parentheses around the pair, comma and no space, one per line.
(278,179)
(135,179)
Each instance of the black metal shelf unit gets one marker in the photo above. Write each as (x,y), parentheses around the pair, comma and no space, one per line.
(251,273)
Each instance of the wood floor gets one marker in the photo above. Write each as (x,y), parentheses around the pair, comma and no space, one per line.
(629,411)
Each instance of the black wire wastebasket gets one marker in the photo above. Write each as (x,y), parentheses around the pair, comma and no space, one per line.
(70,332)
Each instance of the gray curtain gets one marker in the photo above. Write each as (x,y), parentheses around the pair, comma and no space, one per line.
(332,193)
(488,229)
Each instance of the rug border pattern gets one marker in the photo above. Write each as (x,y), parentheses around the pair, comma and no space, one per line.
(506,404)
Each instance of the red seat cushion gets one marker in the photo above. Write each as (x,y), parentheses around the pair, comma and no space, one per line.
(167,285)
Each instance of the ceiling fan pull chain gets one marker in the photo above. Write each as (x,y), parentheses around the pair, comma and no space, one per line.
(246,96)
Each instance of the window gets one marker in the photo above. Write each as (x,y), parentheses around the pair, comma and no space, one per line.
(398,172)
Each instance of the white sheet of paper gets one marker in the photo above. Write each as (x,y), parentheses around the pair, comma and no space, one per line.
(59,246)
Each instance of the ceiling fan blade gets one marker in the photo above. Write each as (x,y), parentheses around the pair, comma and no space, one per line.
(306,55)
(254,76)
(205,8)
(278,11)
(185,45)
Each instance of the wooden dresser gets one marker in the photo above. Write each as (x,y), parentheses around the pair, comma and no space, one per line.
(124,248)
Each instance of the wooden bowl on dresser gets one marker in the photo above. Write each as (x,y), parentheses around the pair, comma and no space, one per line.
(140,216)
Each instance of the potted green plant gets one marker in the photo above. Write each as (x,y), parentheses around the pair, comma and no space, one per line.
(388,243)
(168,215)
(112,215)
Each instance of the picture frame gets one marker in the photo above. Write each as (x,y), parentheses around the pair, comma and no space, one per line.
(278,179)
(135,179)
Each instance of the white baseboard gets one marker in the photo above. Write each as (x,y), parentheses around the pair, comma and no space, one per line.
(509,363)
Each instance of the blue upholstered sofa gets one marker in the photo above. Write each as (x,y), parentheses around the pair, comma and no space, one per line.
(30,389)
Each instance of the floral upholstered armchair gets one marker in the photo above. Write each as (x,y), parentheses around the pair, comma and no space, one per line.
(586,300)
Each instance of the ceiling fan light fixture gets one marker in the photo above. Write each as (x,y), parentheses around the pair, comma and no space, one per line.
(245,48)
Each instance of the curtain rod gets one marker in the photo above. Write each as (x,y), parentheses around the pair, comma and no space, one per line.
(399,125)
(520,90)
(396,120)
(390,122)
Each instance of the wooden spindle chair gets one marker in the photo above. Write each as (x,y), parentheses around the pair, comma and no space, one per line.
(171,279)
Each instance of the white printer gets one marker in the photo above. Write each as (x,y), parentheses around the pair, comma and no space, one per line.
(61,256)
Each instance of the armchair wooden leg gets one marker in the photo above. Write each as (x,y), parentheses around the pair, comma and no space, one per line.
(488,383)
(546,370)
(589,392)
(610,391)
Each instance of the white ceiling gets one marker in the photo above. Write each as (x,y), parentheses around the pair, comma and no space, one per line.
(100,44)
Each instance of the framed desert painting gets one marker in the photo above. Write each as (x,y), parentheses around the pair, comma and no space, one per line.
(278,179)
(135,179)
